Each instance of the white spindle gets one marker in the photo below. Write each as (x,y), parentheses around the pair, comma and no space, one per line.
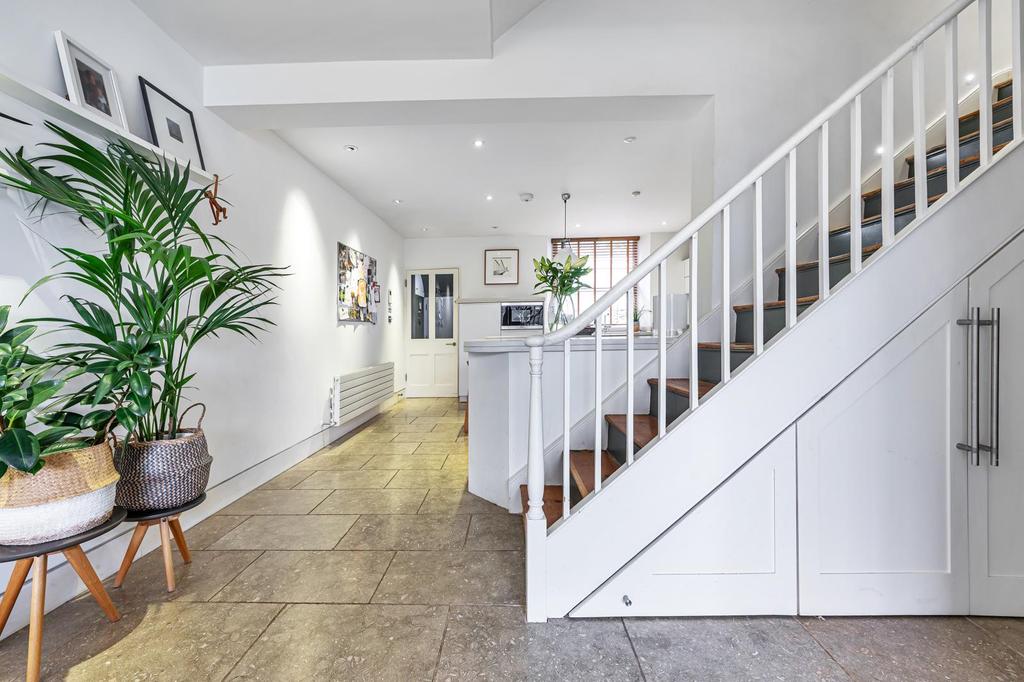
(856,203)
(952,107)
(662,346)
(598,417)
(630,371)
(791,293)
(694,312)
(726,369)
(758,266)
(920,128)
(823,210)
(888,179)
(536,522)
(1015,47)
(985,80)
(566,423)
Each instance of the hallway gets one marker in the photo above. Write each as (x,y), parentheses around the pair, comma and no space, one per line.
(369,561)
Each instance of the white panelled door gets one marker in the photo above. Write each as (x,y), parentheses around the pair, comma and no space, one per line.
(882,492)
(996,491)
(431,341)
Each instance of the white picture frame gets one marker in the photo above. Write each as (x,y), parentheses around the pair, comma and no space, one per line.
(501,266)
(91,82)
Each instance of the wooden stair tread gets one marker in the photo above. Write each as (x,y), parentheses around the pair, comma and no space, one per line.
(749,307)
(552,502)
(581,465)
(682,386)
(735,347)
(1003,83)
(811,264)
(977,112)
(645,427)
(941,170)
(965,138)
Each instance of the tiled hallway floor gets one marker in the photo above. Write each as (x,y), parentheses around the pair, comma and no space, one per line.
(369,561)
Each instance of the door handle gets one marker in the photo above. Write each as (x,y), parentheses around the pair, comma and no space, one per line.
(993,452)
(973,445)
(451,343)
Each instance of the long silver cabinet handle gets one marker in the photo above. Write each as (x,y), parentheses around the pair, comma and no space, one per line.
(973,444)
(993,452)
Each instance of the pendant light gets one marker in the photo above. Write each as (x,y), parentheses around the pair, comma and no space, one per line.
(565,251)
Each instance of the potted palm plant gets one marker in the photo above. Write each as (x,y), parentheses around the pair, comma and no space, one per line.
(559,281)
(166,285)
(54,480)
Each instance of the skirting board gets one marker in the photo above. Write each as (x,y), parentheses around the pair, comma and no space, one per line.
(106,552)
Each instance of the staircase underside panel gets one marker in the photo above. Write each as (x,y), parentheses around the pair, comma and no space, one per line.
(795,371)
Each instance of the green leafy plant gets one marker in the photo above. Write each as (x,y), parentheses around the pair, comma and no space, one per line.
(561,280)
(637,314)
(163,284)
(26,384)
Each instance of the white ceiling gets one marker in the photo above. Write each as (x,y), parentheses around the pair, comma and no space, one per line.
(271,31)
(443,180)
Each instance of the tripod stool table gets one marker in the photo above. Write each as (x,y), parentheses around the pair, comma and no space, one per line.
(33,557)
(167,519)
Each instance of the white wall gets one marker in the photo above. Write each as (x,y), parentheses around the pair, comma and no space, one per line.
(467,254)
(266,397)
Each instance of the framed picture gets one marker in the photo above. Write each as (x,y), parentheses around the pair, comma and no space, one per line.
(376,293)
(172,126)
(357,279)
(91,82)
(501,266)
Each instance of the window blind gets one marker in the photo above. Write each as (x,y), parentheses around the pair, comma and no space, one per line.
(611,259)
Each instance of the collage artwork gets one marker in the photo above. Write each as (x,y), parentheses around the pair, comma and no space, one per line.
(358,291)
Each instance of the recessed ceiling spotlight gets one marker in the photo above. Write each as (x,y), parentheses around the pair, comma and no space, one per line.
(579,225)
(879,150)
(664,223)
(494,227)
(969,77)
(478,143)
(629,140)
(636,194)
(489,197)
(425,229)
(397,201)
(351,148)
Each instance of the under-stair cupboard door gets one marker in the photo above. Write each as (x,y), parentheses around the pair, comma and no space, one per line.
(732,554)
(882,489)
(996,493)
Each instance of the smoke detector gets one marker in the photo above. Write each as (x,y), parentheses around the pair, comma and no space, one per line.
(526,197)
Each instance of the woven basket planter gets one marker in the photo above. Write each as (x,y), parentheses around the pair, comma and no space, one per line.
(73,492)
(165,473)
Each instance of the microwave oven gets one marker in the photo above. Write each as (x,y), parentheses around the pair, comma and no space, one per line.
(522,316)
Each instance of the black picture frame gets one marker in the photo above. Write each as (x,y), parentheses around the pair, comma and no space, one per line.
(146,86)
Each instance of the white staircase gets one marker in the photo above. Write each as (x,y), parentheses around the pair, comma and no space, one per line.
(574,563)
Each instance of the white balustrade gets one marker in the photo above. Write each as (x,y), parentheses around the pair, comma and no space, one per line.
(536,523)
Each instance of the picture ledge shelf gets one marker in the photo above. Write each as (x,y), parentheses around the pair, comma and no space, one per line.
(63,111)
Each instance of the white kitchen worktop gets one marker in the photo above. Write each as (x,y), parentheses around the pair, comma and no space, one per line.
(505,344)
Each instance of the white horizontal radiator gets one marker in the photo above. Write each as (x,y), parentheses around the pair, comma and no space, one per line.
(354,393)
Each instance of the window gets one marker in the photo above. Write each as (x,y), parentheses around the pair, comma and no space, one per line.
(611,258)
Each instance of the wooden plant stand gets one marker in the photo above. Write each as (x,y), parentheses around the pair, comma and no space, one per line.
(167,520)
(34,558)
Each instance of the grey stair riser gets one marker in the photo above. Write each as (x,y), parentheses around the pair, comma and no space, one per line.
(999,114)
(903,196)
(709,363)
(968,148)
(870,234)
(1004,91)
(807,278)
(675,404)
(774,322)
(615,444)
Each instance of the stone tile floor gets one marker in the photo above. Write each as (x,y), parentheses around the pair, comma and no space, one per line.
(370,561)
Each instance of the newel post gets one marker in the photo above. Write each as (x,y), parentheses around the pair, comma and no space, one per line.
(536,522)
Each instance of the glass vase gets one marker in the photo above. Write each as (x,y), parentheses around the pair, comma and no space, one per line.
(558,312)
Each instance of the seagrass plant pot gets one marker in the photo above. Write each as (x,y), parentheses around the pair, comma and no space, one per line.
(73,492)
(164,473)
